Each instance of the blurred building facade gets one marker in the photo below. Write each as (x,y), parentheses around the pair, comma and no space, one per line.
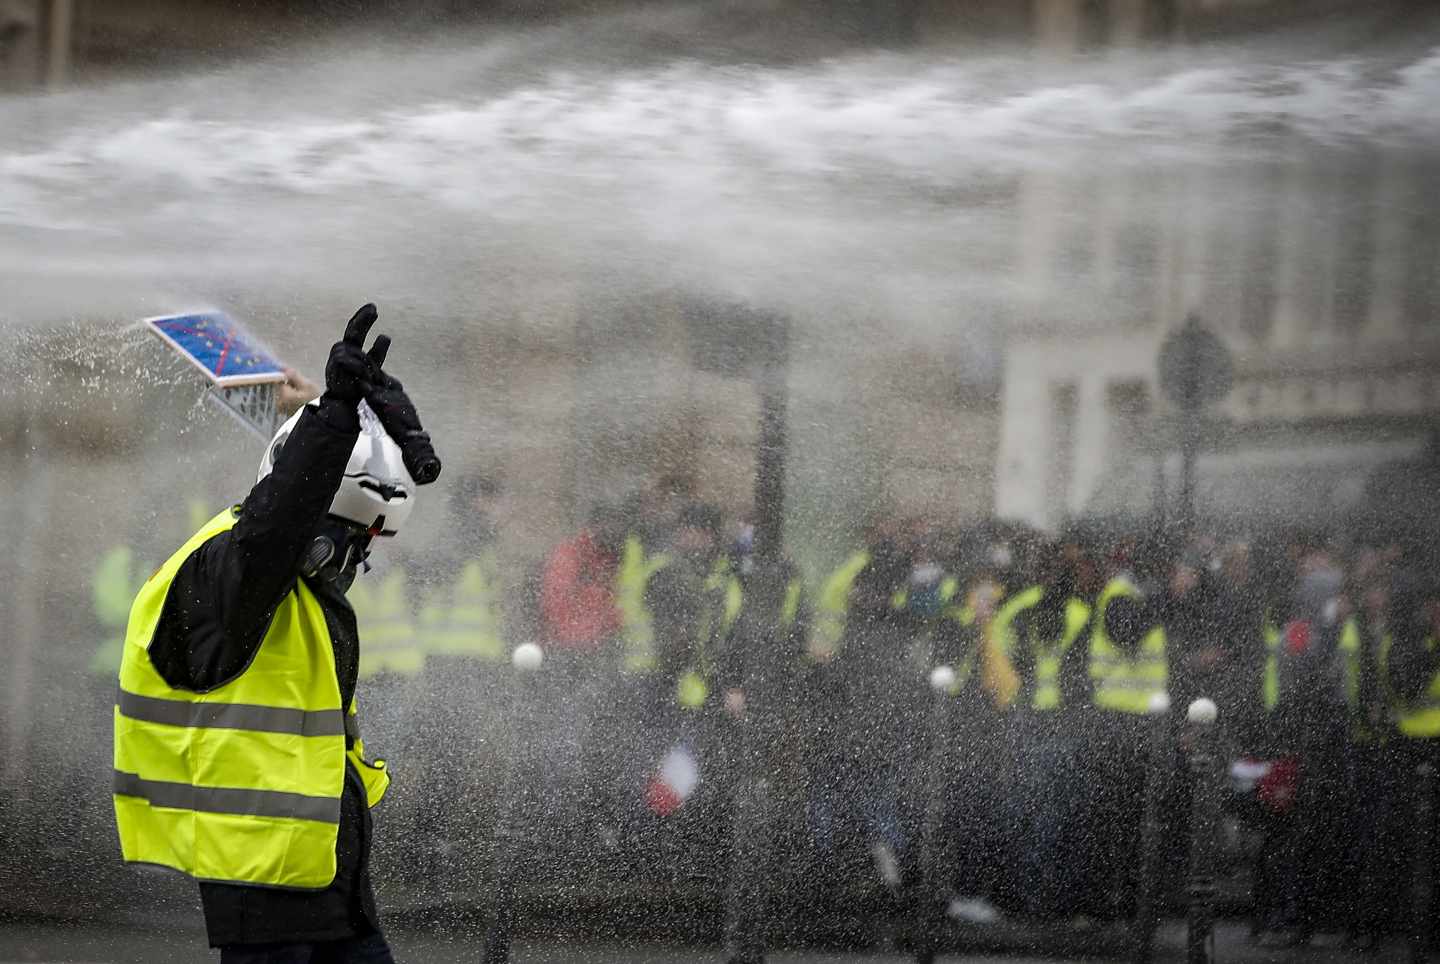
(1319,271)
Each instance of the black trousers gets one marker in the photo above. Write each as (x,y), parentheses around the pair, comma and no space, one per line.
(370,949)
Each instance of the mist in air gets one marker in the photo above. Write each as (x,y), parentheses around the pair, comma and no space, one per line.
(560,224)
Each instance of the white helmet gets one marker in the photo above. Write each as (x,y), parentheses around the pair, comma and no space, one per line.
(377,492)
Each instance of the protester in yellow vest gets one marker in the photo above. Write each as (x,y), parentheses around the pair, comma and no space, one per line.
(464,618)
(463,615)
(695,600)
(833,599)
(381,603)
(1037,633)
(112,590)
(1364,646)
(1003,578)
(959,638)
(782,666)
(1373,768)
(637,623)
(1411,661)
(832,606)
(1043,631)
(1128,674)
(117,578)
(1128,668)
(238,758)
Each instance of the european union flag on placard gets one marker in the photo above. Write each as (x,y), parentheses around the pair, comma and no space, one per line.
(219,346)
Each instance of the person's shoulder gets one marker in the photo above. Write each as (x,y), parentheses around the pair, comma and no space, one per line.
(206,556)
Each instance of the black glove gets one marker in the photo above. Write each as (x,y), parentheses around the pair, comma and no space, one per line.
(387,399)
(351,373)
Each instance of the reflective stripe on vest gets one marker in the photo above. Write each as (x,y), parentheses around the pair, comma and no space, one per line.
(241,783)
(833,606)
(790,608)
(723,580)
(1124,684)
(388,640)
(464,617)
(637,627)
(256,803)
(231,716)
(1270,687)
(1350,651)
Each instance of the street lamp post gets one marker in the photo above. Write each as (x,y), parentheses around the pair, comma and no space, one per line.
(747,903)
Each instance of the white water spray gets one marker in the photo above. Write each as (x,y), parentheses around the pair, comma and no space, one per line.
(858,191)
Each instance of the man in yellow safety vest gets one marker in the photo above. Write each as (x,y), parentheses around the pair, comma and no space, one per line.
(238,758)
(1128,671)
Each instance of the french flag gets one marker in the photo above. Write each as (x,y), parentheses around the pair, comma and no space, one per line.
(673,781)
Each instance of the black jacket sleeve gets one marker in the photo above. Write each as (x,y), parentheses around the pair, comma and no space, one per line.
(224,595)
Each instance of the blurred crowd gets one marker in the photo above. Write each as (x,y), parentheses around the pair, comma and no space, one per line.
(979,698)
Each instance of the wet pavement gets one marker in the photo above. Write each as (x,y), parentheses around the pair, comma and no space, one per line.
(81,944)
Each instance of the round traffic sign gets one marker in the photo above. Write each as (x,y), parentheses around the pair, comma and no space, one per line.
(1195,366)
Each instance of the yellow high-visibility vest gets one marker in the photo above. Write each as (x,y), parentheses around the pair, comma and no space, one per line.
(1045,694)
(1124,683)
(1270,687)
(722,586)
(693,686)
(963,615)
(637,623)
(832,608)
(1419,718)
(1361,728)
(389,640)
(790,607)
(1349,647)
(241,783)
(464,617)
(112,589)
